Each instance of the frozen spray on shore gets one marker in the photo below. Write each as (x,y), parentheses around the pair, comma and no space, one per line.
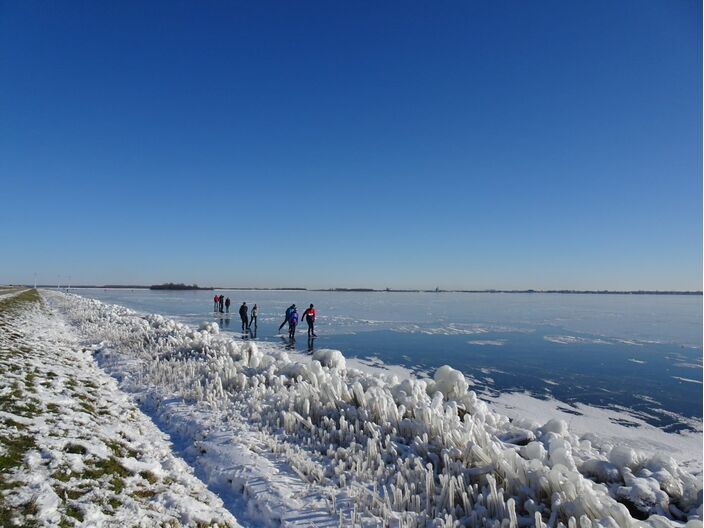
(411,452)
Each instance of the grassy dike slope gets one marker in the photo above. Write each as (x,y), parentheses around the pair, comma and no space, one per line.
(74,450)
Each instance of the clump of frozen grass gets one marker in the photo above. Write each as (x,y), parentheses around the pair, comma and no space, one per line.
(414,453)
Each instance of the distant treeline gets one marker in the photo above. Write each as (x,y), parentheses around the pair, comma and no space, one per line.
(174,286)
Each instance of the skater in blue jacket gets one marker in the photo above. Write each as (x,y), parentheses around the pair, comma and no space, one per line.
(292,322)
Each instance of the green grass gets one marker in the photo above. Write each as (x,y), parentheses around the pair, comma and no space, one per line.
(120,450)
(15,448)
(143,494)
(149,477)
(62,475)
(9,422)
(75,494)
(10,400)
(76,449)
(87,408)
(28,410)
(19,302)
(76,513)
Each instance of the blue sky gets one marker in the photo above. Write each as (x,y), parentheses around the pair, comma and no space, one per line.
(410,144)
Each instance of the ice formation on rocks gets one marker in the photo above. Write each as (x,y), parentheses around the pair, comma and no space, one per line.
(410,452)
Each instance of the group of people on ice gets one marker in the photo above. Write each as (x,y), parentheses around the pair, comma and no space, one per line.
(291,318)
(248,319)
(222,304)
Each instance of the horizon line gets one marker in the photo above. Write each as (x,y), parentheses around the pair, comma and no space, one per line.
(381,290)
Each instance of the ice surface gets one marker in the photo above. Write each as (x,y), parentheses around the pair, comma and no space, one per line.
(575,340)
(585,420)
(633,319)
(687,380)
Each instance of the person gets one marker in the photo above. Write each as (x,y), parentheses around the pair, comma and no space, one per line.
(288,315)
(221,302)
(292,322)
(309,316)
(227,305)
(215,302)
(243,315)
(253,317)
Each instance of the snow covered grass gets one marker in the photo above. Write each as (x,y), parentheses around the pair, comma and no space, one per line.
(73,449)
(375,449)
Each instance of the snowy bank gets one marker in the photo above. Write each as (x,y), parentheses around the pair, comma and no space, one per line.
(370,450)
(74,450)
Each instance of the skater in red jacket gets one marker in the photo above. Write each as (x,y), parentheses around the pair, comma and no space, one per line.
(309,316)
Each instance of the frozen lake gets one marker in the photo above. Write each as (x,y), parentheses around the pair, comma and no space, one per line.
(636,353)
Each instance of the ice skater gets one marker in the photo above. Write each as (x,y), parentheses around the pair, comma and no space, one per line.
(309,316)
(216,300)
(227,305)
(253,317)
(221,302)
(292,323)
(289,310)
(243,316)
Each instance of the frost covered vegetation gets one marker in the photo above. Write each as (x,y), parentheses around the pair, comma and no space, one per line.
(73,449)
(375,450)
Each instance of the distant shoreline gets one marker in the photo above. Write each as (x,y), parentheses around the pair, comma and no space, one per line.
(177,287)
(373,290)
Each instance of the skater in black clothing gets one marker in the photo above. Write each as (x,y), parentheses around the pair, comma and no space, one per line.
(243,315)
(309,316)
(221,302)
(227,305)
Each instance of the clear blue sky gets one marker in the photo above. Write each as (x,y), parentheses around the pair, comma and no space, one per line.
(411,144)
